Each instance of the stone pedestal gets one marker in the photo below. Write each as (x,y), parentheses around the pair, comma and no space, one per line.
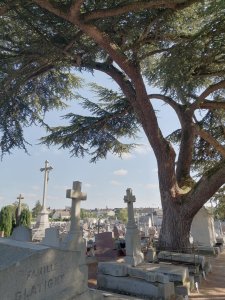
(149,281)
(38,232)
(134,256)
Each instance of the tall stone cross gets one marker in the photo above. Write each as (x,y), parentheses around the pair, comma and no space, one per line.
(20,197)
(134,256)
(46,169)
(130,199)
(76,195)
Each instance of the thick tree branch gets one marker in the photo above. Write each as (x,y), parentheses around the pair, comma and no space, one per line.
(207,137)
(207,104)
(135,6)
(187,137)
(209,90)
(75,8)
(205,189)
(212,88)
(5,8)
(176,106)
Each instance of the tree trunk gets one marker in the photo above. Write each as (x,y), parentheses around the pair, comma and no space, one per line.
(176,225)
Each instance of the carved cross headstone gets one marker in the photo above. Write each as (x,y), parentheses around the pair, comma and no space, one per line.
(130,199)
(20,197)
(77,196)
(74,240)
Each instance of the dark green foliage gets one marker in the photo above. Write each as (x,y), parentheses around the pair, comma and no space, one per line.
(32,81)
(6,220)
(37,209)
(196,51)
(25,218)
(122,215)
(111,118)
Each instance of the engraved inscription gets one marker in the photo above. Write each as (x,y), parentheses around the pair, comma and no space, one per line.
(40,271)
(40,287)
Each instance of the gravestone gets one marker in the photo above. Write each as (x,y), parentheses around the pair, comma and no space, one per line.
(105,247)
(202,230)
(134,256)
(51,237)
(22,233)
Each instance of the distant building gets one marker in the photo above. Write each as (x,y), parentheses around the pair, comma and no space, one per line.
(61,214)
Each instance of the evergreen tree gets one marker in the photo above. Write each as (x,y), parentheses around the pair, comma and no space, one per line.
(122,215)
(6,220)
(25,218)
(37,209)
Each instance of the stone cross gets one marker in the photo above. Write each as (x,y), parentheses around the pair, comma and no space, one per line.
(134,256)
(76,195)
(46,169)
(129,199)
(20,197)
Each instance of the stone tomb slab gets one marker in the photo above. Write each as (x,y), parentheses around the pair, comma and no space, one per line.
(185,258)
(136,287)
(37,272)
(173,272)
(113,269)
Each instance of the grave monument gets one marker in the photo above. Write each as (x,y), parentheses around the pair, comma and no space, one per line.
(203,232)
(42,219)
(134,256)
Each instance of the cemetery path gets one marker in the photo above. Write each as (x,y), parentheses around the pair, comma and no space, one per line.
(213,287)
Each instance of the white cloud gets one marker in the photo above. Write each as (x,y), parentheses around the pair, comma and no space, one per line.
(120,172)
(155,170)
(151,186)
(142,149)
(127,156)
(114,182)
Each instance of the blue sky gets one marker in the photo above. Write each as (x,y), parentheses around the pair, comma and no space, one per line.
(105,182)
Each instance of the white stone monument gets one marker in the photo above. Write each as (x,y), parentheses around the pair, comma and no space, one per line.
(134,256)
(202,230)
(42,219)
(74,240)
